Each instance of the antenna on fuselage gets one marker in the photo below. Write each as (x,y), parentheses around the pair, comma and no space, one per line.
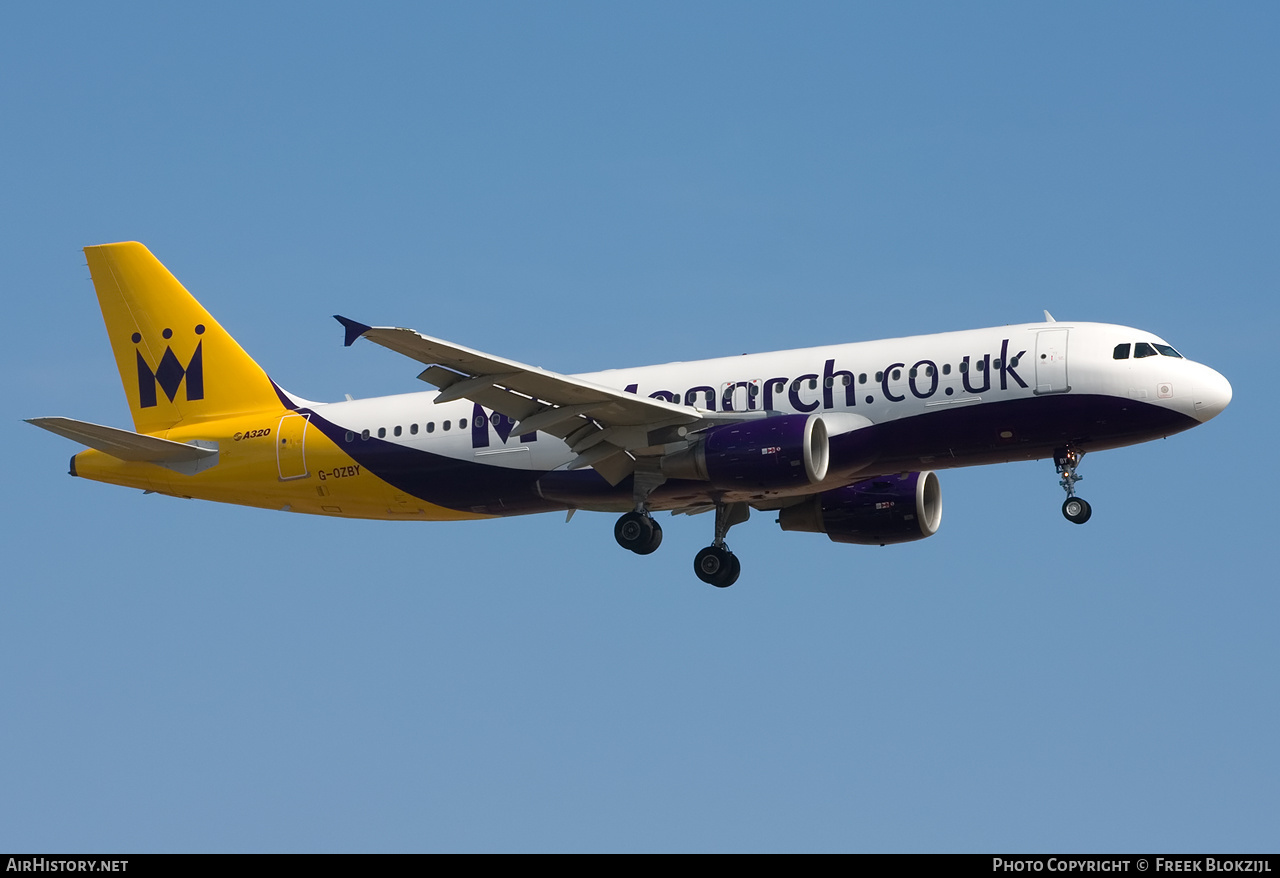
(1048,318)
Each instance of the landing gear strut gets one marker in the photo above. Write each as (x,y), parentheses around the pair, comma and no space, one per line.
(1075,509)
(716,565)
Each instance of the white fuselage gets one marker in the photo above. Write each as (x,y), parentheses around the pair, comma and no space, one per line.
(882,381)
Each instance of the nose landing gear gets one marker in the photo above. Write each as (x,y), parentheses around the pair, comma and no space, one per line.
(1075,509)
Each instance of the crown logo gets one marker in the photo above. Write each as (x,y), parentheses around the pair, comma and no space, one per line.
(170,374)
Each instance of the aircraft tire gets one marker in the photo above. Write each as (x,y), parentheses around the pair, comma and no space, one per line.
(734,572)
(635,532)
(716,566)
(1076,510)
(655,539)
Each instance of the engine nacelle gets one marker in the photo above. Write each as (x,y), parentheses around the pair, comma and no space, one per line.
(789,451)
(889,509)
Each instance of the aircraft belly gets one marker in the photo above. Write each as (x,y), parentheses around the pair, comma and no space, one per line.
(997,432)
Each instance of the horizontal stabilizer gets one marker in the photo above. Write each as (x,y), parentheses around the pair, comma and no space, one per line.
(123,444)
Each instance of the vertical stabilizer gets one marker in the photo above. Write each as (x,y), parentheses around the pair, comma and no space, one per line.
(177,363)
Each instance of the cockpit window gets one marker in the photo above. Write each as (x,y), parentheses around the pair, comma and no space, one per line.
(1168,351)
(1121,351)
(1142,349)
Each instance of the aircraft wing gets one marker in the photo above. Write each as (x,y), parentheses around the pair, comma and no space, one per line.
(603,425)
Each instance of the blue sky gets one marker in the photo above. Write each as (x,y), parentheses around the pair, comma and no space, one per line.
(584,186)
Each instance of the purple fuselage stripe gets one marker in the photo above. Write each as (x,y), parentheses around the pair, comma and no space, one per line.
(463,485)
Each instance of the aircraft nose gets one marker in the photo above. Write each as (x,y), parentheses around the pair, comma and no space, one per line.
(1212,394)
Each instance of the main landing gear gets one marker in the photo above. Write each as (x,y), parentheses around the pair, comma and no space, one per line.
(638,532)
(1075,509)
(716,565)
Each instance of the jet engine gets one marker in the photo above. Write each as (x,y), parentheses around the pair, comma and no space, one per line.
(875,512)
(789,451)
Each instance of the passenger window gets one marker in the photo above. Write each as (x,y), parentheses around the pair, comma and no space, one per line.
(397,430)
(448,424)
(351,437)
(462,424)
(879,376)
(1121,352)
(862,378)
(946,368)
(364,434)
(413,428)
(1142,349)
(813,383)
(382,432)
(431,426)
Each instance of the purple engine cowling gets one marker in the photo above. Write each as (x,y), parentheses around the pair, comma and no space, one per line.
(790,451)
(875,512)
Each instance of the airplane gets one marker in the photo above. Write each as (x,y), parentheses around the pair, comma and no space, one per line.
(844,440)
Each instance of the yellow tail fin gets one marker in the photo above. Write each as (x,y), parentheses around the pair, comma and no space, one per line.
(177,363)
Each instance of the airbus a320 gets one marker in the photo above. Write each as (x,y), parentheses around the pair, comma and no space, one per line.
(843,440)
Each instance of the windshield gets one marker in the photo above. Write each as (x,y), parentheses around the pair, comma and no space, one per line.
(1144,349)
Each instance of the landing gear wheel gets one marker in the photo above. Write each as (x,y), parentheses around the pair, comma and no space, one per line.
(655,539)
(638,533)
(1076,511)
(717,566)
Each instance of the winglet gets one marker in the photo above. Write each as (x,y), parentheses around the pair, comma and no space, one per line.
(354,329)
